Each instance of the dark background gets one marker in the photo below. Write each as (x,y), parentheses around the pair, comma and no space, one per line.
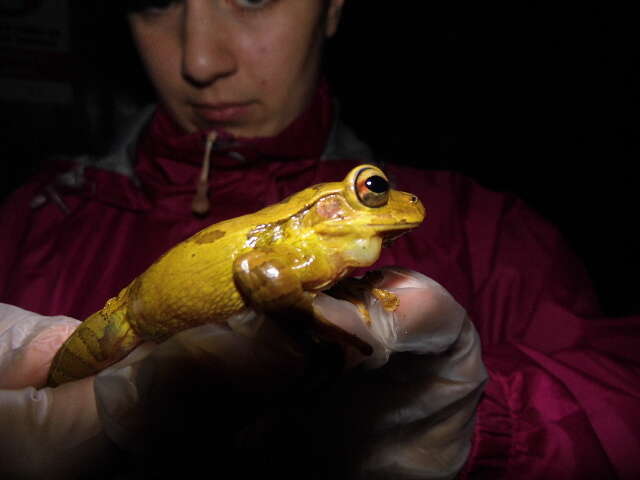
(535,98)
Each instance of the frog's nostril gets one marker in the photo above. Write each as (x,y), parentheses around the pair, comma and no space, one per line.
(414,199)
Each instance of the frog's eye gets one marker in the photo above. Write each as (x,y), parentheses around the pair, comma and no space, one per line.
(372,188)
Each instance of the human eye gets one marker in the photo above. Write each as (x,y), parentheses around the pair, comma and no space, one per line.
(247,5)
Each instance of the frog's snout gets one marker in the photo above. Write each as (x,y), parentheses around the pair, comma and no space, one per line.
(415,206)
(419,206)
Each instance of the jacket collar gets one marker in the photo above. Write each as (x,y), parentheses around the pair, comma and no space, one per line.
(130,190)
(168,155)
(340,143)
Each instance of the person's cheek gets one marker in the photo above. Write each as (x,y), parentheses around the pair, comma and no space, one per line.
(289,75)
(266,64)
(161,56)
(255,53)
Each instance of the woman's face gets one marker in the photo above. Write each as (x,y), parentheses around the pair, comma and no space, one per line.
(246,66)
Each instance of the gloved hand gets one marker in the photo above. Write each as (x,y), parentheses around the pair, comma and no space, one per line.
(41,431)
(206,371)
(404,412)
(409,412)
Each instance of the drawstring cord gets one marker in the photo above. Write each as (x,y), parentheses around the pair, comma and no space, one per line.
(200,205)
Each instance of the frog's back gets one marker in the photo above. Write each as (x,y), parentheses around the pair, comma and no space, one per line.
(189,285)
(193,283)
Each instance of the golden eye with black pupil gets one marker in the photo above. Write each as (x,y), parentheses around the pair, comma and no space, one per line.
(372,189)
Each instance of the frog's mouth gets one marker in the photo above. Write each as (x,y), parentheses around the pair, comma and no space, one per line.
(392,234)
(393,228)
(387,240)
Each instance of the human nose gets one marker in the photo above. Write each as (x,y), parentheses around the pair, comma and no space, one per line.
(207,47)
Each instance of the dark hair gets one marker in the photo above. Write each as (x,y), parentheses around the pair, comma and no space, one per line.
(111,81)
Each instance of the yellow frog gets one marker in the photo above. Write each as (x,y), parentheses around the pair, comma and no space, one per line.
(273,260)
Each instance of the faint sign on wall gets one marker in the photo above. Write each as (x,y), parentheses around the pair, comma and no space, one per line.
(35,57)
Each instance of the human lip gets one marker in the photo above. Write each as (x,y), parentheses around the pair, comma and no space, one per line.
(221,112)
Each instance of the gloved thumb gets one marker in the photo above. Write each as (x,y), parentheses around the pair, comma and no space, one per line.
(39,429)
(426,319)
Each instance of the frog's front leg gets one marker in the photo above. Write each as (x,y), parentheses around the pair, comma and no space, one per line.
(270,282)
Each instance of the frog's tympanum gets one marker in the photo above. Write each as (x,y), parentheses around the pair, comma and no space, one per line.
(273,260)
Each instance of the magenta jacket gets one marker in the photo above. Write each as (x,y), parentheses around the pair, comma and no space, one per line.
(563,400)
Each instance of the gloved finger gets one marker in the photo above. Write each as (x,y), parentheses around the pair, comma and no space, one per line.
(436,447)
(424,425)
(412,417)
(28,343)
(411,387)
(345,316)
(426,320)
(50,433)
(40,428)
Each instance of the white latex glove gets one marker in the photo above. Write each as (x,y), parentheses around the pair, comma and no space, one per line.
(42,431)
(213,390)
(412,416)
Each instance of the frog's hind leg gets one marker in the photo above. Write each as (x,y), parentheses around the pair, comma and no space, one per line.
(101,340)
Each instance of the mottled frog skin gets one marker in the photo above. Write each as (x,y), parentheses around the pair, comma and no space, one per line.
(272,260)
